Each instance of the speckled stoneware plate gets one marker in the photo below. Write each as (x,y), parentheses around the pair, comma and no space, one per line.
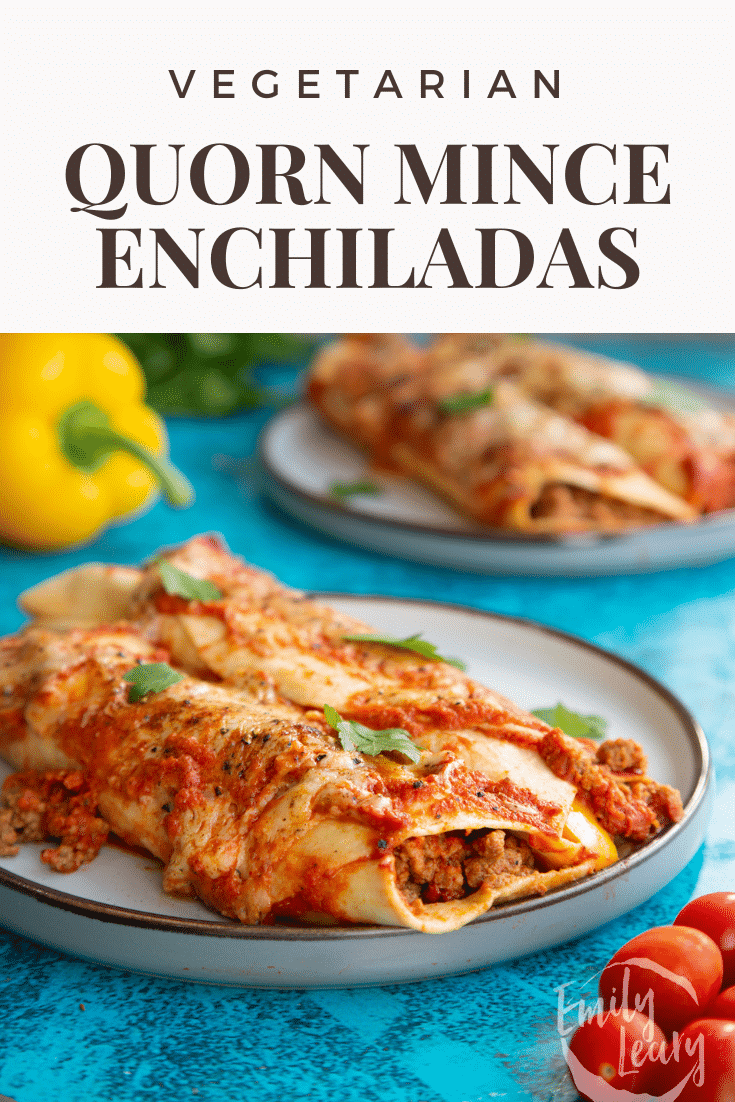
(302,459)
(113,911)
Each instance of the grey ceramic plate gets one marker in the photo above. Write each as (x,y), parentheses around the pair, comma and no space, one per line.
(113,911)
(302,459)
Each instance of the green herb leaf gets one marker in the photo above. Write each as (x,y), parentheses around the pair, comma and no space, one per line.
(573,723)
(215,374)
(350,489)
(412,642)
(179,584)
(151,678)
(353,736)
(671,396)
(466,403)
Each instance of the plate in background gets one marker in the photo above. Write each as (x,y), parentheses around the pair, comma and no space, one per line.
(302,458)
(113,911)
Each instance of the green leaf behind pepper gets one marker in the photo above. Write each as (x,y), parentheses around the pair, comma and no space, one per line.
(210,374)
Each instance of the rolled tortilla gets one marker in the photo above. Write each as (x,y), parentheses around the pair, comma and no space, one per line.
(673,435)
(256,808)
(277,645)
(474,421)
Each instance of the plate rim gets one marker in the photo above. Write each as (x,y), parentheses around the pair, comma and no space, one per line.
(219,928)
(488,535)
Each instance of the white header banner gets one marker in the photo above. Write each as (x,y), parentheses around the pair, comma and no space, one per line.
(457,172)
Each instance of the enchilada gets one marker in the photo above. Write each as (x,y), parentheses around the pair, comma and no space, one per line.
(467,422)
(497,806)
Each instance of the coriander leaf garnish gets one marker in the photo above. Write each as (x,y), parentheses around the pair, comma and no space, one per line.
(411,642)
(352,489)
(151,678)
(573,723)
(179,584)
(669,395)
(466,403)
(353,736)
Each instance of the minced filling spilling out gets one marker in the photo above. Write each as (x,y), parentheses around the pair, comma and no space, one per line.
(51,804)
(573,503)
(450,866)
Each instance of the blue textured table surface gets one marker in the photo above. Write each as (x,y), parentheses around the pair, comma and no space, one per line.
(73,1030)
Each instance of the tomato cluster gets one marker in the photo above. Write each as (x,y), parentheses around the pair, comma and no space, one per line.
(667,1012)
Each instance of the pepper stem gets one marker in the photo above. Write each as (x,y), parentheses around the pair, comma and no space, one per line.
(87,439)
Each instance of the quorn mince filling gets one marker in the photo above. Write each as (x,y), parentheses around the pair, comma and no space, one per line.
(441,867)
(40,805)
(557,499)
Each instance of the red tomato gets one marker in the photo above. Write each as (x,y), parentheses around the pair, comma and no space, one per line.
(669,973)
(715,915)
(704,1052)
(723,1006)
(622,1049)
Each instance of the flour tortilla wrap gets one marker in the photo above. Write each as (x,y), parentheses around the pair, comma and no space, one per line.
(256,808)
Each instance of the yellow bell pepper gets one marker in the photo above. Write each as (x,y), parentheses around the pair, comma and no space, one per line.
(582,827)
(78,446)
(582,834)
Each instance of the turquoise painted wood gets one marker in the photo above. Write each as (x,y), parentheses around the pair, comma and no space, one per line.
(71,1030)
